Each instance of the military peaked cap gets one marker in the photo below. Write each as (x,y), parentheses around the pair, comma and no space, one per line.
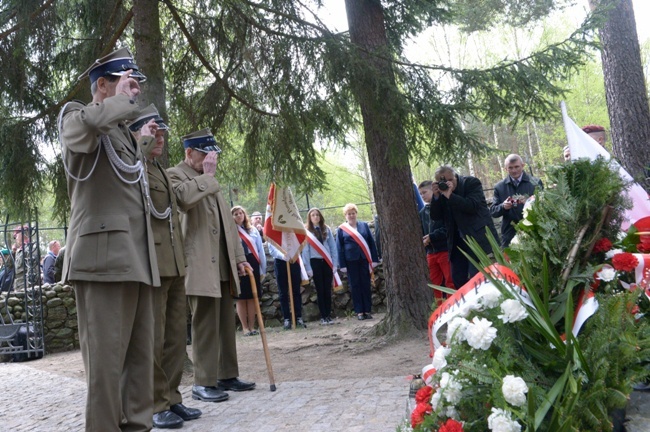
(202,141)
(115,64)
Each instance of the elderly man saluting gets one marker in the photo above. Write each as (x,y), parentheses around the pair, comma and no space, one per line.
(215,257)
(110,257)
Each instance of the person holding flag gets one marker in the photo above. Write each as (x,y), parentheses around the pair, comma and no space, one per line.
(319,256)
(256,257)
(286,235)
(358,257)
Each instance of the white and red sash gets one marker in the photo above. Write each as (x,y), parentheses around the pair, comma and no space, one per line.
(360,241)
(249,242)
(320,248)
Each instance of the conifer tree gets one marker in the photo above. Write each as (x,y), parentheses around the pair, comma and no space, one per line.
(271,79)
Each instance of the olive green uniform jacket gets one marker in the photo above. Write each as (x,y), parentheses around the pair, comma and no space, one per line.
(110,237)
(204,213)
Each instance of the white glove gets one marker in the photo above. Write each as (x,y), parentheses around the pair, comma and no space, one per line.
(375,264)
(344,269)
(310,273)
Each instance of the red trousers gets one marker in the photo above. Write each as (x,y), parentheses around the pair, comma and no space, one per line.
(439,271)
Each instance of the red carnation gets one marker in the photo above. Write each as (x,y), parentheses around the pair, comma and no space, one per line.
(625,262)
(603,245)
(424,395)
(451,425)
(417,416)
(643,247)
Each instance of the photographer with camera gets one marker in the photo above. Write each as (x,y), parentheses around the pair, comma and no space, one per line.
(516,188)
(460,203)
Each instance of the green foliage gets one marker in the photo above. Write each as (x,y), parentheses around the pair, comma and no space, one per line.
(573,201)
(616,347)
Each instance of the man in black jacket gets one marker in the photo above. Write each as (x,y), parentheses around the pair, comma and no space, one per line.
(460,203)
(510,195)
(435,243)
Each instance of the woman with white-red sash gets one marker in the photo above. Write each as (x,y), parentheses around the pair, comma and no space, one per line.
(252,243)
(321,259)
(357,256)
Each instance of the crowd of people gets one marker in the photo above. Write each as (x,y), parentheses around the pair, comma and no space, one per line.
(145,241)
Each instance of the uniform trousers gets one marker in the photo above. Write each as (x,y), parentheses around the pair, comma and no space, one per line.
(214,348)
(116,331)
(323,281)
(170,337)
(359,282)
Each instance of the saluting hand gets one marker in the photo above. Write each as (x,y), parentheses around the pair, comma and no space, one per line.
(127,85)
(149,129)
(210,163)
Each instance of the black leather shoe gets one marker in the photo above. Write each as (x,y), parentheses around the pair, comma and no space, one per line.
(184,412)
(209,394)
(235,384)
(367,316)
(167,420)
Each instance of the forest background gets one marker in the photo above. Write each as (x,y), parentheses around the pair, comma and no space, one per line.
(347,175)
(341,114)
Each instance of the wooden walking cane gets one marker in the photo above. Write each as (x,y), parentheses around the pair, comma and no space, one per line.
(293,313)
(260,322)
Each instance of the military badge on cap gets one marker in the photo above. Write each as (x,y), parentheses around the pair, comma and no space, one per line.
(114,64)
(202,141)
(147,114)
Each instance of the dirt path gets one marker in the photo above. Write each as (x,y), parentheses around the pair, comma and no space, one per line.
(319,352)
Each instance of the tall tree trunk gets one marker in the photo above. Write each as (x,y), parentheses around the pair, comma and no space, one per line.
(409,298)
(625,90)
(148,51)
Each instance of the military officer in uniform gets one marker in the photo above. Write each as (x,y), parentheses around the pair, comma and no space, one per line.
(170,303)
(215,257)
(110,258)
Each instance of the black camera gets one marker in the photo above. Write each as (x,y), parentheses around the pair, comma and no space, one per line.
(442,184)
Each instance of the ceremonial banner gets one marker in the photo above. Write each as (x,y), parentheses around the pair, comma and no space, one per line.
(250,244)
(584,146)
(283,226)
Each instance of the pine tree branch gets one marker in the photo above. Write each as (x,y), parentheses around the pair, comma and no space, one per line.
(108,47)
(195,48)
(33,16)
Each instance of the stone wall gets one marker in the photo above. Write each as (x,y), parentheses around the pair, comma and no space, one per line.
(60,313)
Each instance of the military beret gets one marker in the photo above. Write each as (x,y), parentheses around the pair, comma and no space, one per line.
(115,64)
(147,114)
(202,141)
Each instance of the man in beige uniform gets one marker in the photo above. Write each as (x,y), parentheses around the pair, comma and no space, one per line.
(170,302)
(110,257)
(215,257)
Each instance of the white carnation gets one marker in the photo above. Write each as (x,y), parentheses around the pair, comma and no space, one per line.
(480,333)
(610,254)
(435,401)
(450,387)
(439,356)
(468,307)
(513,311)
(491,296)
(500,421)
(606,274)
(451,412)
(456,330)
(514,390)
